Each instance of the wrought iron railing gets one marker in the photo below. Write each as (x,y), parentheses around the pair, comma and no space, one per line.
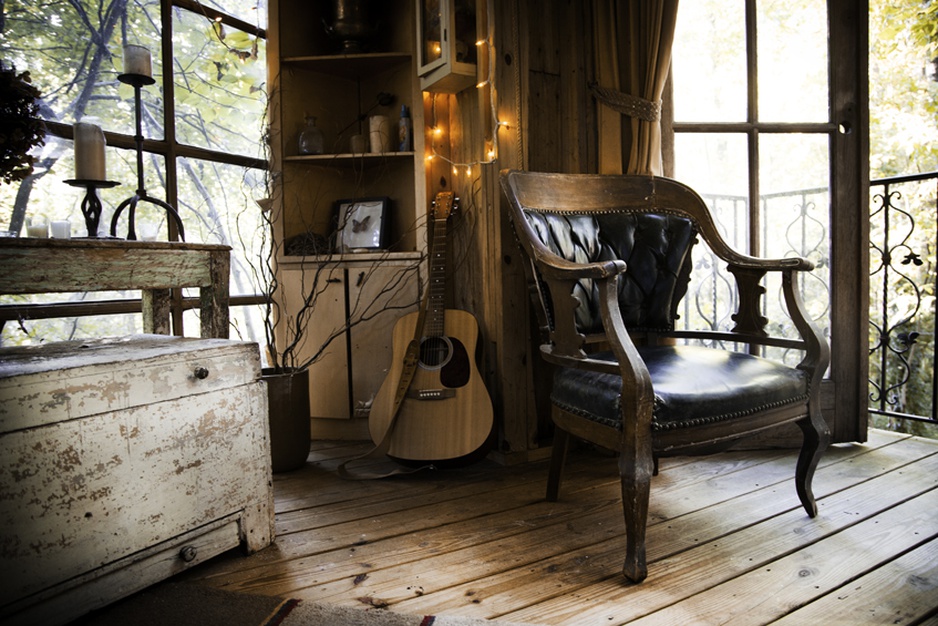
(903,242)
(903,215)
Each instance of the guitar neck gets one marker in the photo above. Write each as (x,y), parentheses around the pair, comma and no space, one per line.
(436,296)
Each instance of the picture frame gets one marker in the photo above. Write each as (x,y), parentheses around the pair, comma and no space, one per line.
(362,224)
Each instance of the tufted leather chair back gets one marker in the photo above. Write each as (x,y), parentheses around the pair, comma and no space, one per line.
(655,246)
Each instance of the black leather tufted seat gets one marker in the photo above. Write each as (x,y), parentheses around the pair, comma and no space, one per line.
(610,260)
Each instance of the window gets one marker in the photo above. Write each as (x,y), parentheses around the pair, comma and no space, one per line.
(202,123)
(769,108)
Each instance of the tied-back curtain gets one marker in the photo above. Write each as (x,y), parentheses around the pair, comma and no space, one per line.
(644,34)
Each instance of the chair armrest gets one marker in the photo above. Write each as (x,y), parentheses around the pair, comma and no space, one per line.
(765,265)
(561,277)
(637,396)
(556,267)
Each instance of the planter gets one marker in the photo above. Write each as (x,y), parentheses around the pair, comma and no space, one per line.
(288,409)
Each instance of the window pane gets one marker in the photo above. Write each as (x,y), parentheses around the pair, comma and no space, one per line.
(795,214)
(220,90)
(709,62)
(712,163)
(716,166)
(250,11)
(792,53)
(76,76)
(33,332)
(49,197)
(218,205)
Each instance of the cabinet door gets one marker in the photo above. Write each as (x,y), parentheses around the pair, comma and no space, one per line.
(393,291)
(328,376)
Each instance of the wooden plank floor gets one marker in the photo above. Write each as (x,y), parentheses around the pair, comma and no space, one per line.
(728,541)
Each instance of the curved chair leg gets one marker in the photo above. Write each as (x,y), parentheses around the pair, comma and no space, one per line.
(635,475)
(558,457)
(816,439)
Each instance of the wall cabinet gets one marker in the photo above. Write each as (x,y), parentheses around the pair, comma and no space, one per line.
(315,72)
(346,377)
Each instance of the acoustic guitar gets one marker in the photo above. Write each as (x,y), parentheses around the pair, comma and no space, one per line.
(433,399)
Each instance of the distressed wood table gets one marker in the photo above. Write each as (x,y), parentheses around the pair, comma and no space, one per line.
(30,265)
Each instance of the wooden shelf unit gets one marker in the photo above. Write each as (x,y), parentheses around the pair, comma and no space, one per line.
(311,76)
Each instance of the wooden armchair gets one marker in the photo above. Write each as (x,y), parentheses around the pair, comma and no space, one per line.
(610,259)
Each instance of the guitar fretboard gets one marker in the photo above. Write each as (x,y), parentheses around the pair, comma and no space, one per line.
(433,326)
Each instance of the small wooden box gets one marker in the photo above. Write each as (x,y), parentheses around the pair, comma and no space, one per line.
(122,462)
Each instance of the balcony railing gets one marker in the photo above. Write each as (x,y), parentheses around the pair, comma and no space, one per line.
(903,243)
(902,297)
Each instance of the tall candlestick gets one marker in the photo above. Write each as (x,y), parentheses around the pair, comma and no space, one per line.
(89,152)
(137,60)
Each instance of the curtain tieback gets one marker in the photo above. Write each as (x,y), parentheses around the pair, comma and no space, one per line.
(627,104)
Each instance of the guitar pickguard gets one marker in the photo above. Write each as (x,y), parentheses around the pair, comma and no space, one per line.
(456,367)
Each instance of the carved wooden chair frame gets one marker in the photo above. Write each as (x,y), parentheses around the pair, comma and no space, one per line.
(552,279)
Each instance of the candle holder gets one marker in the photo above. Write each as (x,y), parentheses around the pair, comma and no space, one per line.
(137,81)
(91,204)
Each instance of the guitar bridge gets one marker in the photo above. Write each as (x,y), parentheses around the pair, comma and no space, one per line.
(431,394)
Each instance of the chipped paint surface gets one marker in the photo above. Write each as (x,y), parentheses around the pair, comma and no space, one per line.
(116,456)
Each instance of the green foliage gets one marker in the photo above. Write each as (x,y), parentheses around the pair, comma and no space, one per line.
(903,87)
(20,130)
(903,140)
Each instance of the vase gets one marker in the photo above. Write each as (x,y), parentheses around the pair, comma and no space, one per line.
(288,415)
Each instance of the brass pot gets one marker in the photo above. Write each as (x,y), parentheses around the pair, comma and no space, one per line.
(351,24)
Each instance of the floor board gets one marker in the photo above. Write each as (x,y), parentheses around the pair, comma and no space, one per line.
(728,541)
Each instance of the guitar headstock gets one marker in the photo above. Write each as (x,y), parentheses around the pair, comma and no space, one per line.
(445,204)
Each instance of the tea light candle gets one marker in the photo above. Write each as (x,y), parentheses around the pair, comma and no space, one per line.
(60,229)
(137,60)
(38,229)
(89,152)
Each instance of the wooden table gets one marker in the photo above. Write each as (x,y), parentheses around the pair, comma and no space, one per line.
(31,265)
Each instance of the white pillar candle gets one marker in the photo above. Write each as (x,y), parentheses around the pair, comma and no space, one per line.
(89,152)
(137,60)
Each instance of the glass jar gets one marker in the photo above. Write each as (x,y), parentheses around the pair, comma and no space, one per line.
(311,141)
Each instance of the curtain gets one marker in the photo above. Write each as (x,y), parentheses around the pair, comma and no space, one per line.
(642,59)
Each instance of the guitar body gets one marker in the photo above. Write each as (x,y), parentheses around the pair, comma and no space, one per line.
(447,412)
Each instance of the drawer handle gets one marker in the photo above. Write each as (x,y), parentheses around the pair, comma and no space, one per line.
(188,554)
(201,373)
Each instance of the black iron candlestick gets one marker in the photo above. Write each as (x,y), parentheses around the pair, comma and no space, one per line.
(137,81)
(91,204)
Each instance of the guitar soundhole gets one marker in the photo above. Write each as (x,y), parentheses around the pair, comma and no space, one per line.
(435,352)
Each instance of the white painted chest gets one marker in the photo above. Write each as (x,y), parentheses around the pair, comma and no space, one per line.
(123,461)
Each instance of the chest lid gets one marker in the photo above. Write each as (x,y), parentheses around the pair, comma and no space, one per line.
(67,380)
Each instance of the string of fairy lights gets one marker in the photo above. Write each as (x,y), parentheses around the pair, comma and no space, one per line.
(491,151)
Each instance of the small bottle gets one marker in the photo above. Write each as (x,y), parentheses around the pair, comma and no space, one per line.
(311,141)
(405,131)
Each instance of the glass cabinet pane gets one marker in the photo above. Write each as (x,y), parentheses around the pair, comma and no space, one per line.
(431,35)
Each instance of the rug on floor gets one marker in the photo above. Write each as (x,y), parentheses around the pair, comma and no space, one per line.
(192,604)
(299,613)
